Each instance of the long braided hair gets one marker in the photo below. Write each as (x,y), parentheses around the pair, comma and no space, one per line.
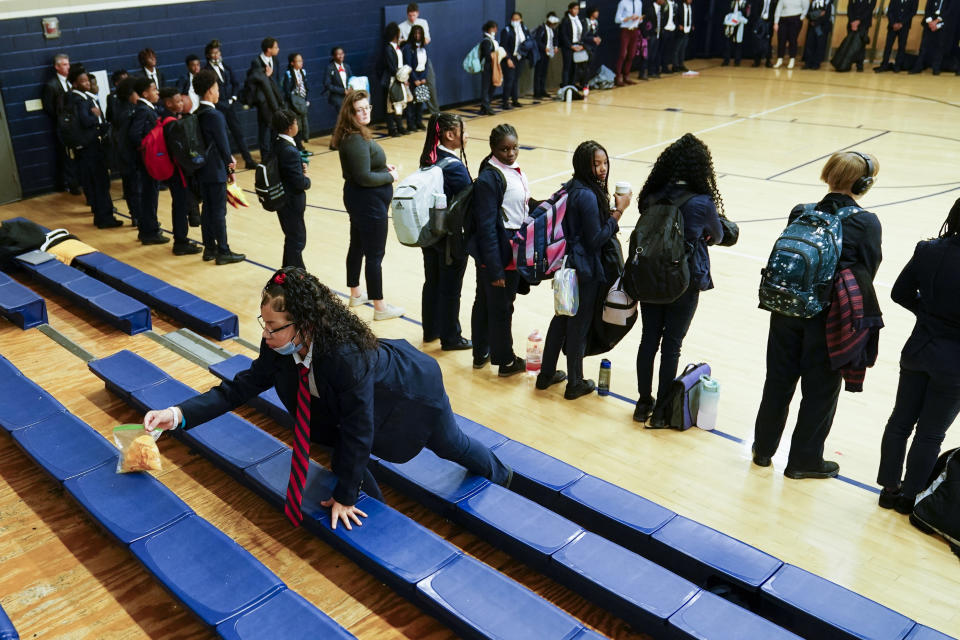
(497,134)
(583,171)
(951,226)
(438,125)
(319,314)
(687,159)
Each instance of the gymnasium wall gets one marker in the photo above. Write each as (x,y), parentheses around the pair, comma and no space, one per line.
(110,39)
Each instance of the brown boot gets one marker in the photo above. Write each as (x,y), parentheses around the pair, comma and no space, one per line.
(628,80)
(618,81)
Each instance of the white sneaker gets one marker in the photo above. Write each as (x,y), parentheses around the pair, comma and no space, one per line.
(790,64)
(778,64)
(356,301)
(388,313)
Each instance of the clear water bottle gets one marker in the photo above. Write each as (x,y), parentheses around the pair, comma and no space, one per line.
(534,351)
(709,403)
(603,380)
(586,91)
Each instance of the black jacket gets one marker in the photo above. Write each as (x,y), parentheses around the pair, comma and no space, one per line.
(290,165)
(540,34)
(383,402)
(52,97)
(142,121)
(262,91)
(489,240)
(901,11)
(861,10)
(125,155)
(566,31)
(389,65)
(587,227)
(213,127)
(508,40)
(333,86)
(141,73)
(229,86)
(89,123)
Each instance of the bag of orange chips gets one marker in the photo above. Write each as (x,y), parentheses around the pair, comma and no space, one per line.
(138,448)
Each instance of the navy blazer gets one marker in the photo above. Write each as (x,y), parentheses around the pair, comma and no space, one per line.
(928,287)
(126,155)
(540,33)
(229,86)
(388,64)
(861,10)
(489,243)
(213,127)
(262,91)
(89,123)
(566,31)
(290,165)
(144,119)
(140,73)
(456,176)
(587,229)
(333,86)
(288,83)
(508,40)
(410,59)
(384,402)
(901,11)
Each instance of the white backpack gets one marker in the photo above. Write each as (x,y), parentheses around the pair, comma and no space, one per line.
(618,307)
(412,201)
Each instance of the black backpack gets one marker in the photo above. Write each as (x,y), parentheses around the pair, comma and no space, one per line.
(185,144)
(937,509)
(71,133)
(459,222)
(657,270)
(269,187)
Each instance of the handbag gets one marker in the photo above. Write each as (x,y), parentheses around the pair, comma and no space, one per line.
(298,103)
(731,232)
(580,56)
(396,91)
(566,292)
(421,93)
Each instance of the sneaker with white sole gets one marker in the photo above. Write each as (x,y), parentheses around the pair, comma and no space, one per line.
(791,63)
(388,313)
(357,301)
(778,63)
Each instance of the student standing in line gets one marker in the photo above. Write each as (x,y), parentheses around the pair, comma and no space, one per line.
(127,156)
(263,89)
(591,42)
(511,39)
(148,68)
(651,27)
(180,196)
(213,176)
(763,12)
(899,19)
(546,36)
(787,20)
(488,58)
(391,61)
(115,79)
(295,90)
(684,168)
(415,57)
(628,16)
(859,19)
(588,225)
(293,175)
(933,44)
(414,19)
(501,200)
(185,84)
(733,40)
(230,86)
(336,78)
(346,389)
(668,37)
(90,157)
(797,347)
(928,397)
(367,191)
(571,43)
(684,29)
(819,28)
(443,273)
(142,121)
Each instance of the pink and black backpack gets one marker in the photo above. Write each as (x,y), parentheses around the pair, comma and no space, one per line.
(539,245)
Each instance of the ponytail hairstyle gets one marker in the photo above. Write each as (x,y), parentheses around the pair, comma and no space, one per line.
(438,125)
(584,172)
(319,314)
(687,159)
(951,226)
(497,134)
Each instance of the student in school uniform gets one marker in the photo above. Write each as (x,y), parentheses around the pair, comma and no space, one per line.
(899,20)
(797,347)
(819,28)
(295,92)
(126,155)
(148,68)
(185,84)
(684,168)
(90,156)
(762,29)
(52,97)
(501,200)
(734,33)
(684,29)
(214,174)
(346,389)
(115,79)
(336,78)
(391,61)
(180,197)
(546,37)
(628,16)
(787,21)
(367,191)
(442,273)
(859,19)
(415,57)
(591,42)
(230,87)
(571,43)
(488,58)
(293,175)
(933,44)
(651,28)
(588,225)
(263,89)
(143,120)
(928,396)
(511,39)
(668,36)
(414,19)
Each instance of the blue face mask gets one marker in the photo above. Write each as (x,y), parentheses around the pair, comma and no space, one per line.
(287,349)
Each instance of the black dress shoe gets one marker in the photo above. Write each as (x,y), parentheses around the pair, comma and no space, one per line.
(185,249)
(644,409)
(582,388)
(462,344)
(546,383)
(888,499)
(427,338)
(904,504)
(487,112)
(725,63)
(156,238)
(395,134)
(133,222)
(506,106)
(517,103)
(250,164)
(208,255)
(760,461)
(110,224)
(229,257)
(756,63)
(479,362)
(826,469)
(518,365)
(75,191)
(657,422)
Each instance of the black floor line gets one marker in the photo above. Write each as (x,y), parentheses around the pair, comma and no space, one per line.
(823,157)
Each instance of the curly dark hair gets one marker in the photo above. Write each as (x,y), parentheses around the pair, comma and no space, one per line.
(687,159)
(951,226)
(583,171)
(319,314)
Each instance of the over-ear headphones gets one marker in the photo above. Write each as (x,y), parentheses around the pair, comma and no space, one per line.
(863,184)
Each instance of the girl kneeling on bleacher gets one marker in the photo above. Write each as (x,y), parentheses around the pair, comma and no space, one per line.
(346,389)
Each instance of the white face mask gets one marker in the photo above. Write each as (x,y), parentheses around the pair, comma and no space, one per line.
(287,349)
(516,24)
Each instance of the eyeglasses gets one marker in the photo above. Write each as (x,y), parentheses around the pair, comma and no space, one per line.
(270,332)
(366,109)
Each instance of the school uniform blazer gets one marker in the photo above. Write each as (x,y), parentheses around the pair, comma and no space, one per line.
(456,176)
(930,12)
(928,287)
(88,122)
(142,121)
(126,153)
(333,86)
(229,86)
(566,31)
(587,228)
(650,9)
(385,401)
(290,165)
(410,59)
(540,35)
(289,83)
(861,10)
(490,242)
(487,46)
(508,40)
(161,78)
(388,64)
(756,10)
(213,127)
(901,11)
(52,97)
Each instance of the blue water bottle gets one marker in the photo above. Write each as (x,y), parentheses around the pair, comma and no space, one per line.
(603,380)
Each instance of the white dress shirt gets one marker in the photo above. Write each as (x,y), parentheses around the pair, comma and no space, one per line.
(576,28)
(671,25)
(147,102)
(628,8)
(64,83)
(343,73)
(307,360)
(152,75)
(406,25)
(516,196)
(267,60)
(96,101)
(191,92)
(687,17)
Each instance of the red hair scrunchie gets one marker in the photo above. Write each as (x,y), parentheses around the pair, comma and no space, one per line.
(280,278)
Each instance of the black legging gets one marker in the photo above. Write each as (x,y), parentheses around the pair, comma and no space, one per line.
(788,31)
(669,323)
(367,207)
(570,332)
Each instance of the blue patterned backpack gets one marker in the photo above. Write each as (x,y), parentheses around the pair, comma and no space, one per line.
(799,274)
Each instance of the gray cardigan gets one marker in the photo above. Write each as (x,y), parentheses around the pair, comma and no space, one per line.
(363,162)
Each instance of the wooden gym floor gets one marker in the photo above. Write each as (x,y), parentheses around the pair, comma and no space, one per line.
(769,131)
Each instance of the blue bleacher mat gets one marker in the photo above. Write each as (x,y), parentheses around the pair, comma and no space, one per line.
(814,607)
(209,573)
(622,582)
(921,632)
(7,630)
(22,402)
(613,512)
(484,435)
(229,368)
(232,442)
(703,554)
(537,475)
(516,524)
(125,372)
(128,505)
(270,477)
(430,480)
(20,305)
(395,549)
(167,393)
(589,634)
(477,601)
(284,615)
(64,446)
(709,617)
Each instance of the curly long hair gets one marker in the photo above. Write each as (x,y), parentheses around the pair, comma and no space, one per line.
(687,159)
(951,226)
(319,314)
(583,171)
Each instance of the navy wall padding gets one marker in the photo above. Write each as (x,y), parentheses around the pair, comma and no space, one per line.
(708,616)
(285,615)
(20,305)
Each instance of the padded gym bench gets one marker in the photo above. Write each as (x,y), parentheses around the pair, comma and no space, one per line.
(20,305)
(7,630)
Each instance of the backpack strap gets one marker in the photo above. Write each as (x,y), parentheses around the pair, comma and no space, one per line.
(848,212)
(443,163)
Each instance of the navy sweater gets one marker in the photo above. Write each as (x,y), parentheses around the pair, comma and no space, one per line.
(587,228)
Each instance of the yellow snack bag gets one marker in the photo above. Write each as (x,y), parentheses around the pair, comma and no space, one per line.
(138,448)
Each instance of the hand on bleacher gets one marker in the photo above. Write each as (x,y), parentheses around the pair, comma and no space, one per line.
(342,512)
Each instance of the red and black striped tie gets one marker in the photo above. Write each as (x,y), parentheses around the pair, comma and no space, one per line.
(301,451)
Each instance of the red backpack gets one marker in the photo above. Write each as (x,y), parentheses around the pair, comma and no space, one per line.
(158,162)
